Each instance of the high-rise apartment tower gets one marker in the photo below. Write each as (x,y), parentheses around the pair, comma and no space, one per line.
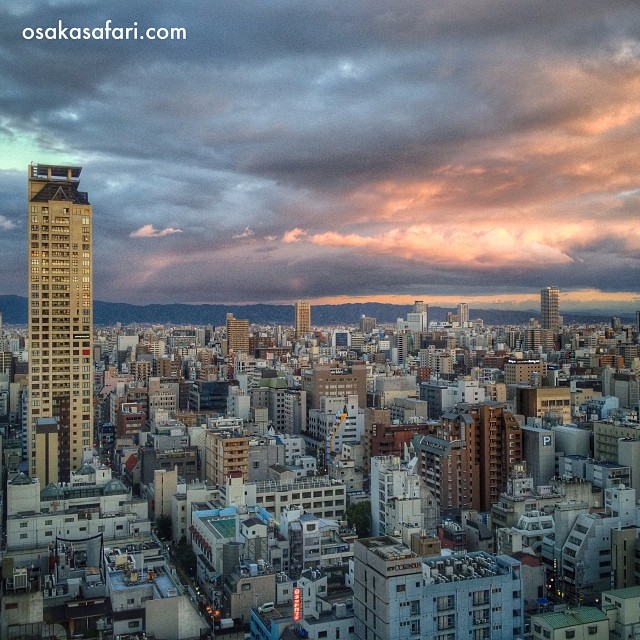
(60,322)
(303,318)
(550,308)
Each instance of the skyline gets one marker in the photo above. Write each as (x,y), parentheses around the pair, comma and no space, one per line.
(474,152)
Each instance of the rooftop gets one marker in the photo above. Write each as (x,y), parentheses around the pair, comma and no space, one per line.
(572,617)
(387,548)
(623,594)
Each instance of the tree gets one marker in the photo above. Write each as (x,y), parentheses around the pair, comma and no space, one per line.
(358,515)
(165,529)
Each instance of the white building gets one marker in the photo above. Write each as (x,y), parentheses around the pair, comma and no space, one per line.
(398,595)
(92,503)
(337,421)
(400,498)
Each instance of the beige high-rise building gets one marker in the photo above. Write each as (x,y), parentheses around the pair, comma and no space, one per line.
(303,319)
(60,322)
(237,334)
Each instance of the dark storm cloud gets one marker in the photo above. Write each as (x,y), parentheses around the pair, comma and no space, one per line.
(385,140)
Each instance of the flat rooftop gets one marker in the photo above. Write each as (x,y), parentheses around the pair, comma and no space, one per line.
(161,580)
(387,548)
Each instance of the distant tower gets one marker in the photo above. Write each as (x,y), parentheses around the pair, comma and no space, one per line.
(60,420)
(421,308)
(463,313)
(303,319)
(550,308)
(237,334)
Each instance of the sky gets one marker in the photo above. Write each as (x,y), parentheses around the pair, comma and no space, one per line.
(336,151)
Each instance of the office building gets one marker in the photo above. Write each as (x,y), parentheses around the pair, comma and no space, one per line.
(367,325)
(324,380)
(550,308)
(303,319)
(237,335)
(524,371)
(551,404)
(60,322)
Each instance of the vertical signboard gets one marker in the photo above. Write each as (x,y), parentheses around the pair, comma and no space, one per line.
(297,604)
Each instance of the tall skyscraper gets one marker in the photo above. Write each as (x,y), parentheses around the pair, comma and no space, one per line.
(60,322)
(463,313)
(237,334)
(303,318)
(550,308)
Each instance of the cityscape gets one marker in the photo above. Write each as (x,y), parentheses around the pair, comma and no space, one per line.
(417,478)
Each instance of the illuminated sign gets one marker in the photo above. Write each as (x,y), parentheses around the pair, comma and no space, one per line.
(297,604)
(546,441)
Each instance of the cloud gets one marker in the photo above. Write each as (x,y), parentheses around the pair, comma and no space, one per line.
(149,231)
(453,246)
(247,233)
(471,145)
(6,224)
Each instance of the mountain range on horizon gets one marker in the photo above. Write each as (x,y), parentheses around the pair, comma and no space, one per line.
(14,312)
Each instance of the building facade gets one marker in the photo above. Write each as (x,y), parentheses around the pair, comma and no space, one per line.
(398,595)
(550,308)
(303,319)
(60,320)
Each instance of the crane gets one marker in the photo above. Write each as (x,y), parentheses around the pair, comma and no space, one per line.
(340,420)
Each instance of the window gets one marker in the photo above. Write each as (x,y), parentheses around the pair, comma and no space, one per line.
(571,633)
(592,630)
(400,588)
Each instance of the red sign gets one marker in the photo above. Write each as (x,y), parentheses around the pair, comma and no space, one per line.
(297,604)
